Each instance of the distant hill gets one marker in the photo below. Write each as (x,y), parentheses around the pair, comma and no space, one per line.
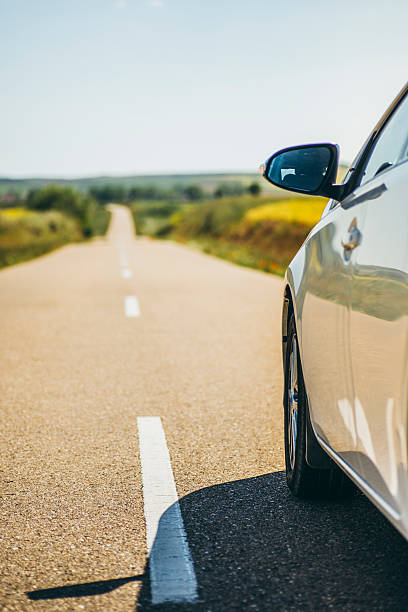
(208,182)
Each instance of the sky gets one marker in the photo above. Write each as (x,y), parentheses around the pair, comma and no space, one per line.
(96,87)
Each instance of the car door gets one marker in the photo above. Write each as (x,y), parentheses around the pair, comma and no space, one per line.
(378,314)
(326,284)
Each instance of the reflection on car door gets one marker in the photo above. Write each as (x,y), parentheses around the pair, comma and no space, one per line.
(325,321)
(378,334)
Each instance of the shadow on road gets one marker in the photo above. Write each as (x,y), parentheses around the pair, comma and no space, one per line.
(255,547)
(85,589)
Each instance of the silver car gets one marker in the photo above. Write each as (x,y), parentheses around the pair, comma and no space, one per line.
(344,324)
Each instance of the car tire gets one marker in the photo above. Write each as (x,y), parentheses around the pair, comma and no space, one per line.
(305,481)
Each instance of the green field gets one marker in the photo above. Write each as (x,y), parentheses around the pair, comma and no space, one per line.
(259,232)
(262,231)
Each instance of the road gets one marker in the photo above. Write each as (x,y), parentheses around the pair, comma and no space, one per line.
(198,347)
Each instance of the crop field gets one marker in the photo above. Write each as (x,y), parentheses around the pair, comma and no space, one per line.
(294,210)
(15,213)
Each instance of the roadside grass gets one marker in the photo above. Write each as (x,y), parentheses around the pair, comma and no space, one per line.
(154,218)
(238,254)
(253,231)
(25,234)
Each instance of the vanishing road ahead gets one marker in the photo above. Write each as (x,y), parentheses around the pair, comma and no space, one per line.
(95,338)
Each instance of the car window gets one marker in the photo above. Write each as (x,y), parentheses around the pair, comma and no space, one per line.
(392,144)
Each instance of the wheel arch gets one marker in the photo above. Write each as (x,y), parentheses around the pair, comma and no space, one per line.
(316,457)
(287,311)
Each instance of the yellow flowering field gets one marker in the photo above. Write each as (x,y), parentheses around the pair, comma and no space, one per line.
(15,213)
(306,211)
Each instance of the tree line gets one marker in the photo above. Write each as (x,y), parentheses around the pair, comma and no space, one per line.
(190,193)
(40,198)
(89,208)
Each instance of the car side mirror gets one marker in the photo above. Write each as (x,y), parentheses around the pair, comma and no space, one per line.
(309,169)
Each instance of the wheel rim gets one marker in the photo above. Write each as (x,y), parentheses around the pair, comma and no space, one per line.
(292,402)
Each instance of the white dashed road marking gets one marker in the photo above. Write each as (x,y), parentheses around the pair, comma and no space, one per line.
(132,308)
(127,273)
(172,574)
(123,258)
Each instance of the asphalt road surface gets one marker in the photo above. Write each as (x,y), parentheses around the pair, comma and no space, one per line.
(197,345)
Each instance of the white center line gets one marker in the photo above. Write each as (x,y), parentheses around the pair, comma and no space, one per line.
(127,273)
(132,308)
(123,257)
(172,574)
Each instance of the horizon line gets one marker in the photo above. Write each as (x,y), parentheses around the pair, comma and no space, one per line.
(74,177)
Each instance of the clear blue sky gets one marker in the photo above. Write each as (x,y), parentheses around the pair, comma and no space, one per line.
(144,86)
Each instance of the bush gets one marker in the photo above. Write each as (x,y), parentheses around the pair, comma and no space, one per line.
(28,234)
(254,189)
(108,193)
(193,193)
(151,217)
(213,217)
(92,219)
(234,188)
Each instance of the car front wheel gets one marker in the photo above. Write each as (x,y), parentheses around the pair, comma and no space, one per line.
(303,480)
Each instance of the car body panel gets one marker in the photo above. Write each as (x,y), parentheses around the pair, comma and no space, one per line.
(378,338)
(351,312)
(322,294)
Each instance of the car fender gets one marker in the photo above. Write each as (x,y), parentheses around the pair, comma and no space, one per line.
(293,300)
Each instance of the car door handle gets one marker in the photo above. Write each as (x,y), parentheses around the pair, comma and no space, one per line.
(352,238)
(372,194)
